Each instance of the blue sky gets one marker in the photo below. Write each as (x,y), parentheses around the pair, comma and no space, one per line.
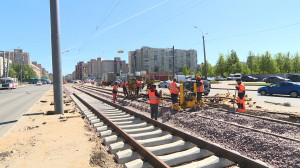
(256,25)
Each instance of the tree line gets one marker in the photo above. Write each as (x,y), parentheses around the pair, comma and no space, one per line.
(16,70)
(256,64)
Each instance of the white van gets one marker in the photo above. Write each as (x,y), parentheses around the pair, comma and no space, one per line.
(180,78)
(234,76)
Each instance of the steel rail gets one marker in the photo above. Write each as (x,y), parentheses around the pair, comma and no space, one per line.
(242,161)
(149,156)
(243,114)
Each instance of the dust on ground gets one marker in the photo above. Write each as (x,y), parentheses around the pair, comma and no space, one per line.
(48,141)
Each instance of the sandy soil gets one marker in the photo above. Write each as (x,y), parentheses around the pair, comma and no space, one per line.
(45,140)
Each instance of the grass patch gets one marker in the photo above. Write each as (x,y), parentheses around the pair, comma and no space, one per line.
(253,84)
(214,82)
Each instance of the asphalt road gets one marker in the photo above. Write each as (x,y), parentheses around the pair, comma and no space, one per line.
(15,102)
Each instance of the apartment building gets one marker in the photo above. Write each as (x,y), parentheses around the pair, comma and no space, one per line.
(18,56)
(161,59)
(99,68)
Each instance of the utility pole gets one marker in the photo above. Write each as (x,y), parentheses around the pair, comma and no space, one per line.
(205,64)
(3,64)
(173,63)
(8,64)
(56,57)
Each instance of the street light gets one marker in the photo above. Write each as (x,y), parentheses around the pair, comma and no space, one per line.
(203,39)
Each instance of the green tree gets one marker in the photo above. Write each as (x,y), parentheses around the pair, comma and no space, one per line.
(279,58)
(233,63)
(220,67)
(84,76)
(185,70)
(17,70)
(210,70)
(192,71)
(268,64)
(287,63)
(246,69)
(296,63)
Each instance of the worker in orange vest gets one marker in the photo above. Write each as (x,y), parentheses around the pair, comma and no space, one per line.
(200,88)
(140,85)
(115,91)
(137,88)
(241,96)
(124,89)
(154,99)
(174,90)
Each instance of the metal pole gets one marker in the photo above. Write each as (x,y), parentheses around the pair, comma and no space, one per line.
(56,57)
(8,64)
(173,63)
(205,64)
(134,64)
(4,70)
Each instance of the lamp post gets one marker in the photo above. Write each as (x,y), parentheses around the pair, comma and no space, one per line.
(204,53)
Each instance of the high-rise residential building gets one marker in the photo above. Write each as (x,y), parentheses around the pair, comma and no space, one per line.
(18,56)
(161,59)
(100,67)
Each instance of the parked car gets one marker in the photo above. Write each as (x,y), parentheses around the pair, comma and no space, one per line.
(210,78)
(246,78)
(64,82)
(38,83)
(164,84)
(220,78)
(274,79)
(234,76)
(189,85)
(294,78)
(283,88)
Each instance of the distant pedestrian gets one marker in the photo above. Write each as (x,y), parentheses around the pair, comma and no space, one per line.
(154,99)
(137,87)
(125,89)
(115,92)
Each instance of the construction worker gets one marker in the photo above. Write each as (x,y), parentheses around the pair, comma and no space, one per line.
(140,85)
(115,91)
(105,83)
(137,87)
(174,90)
(154,99)
(200,88)
(124,89)
(241,95)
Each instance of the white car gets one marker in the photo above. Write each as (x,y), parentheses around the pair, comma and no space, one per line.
(234,76)
(39,83)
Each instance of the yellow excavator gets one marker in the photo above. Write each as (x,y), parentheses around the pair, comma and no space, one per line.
(187,99)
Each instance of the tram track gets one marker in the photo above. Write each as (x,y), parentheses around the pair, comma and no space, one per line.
(236,121)
(167,99)
(173,147)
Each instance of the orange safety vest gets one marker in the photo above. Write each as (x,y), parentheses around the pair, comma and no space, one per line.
(173,88)
(115,88)
(200,88)
(241,88)
(153,99)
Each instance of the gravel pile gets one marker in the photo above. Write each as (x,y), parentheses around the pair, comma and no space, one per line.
(257,123)
(269,149)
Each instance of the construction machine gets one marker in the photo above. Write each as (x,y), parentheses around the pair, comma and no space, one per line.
(132,86)
(187,99)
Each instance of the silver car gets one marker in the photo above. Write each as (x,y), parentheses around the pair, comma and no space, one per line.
(164,84)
